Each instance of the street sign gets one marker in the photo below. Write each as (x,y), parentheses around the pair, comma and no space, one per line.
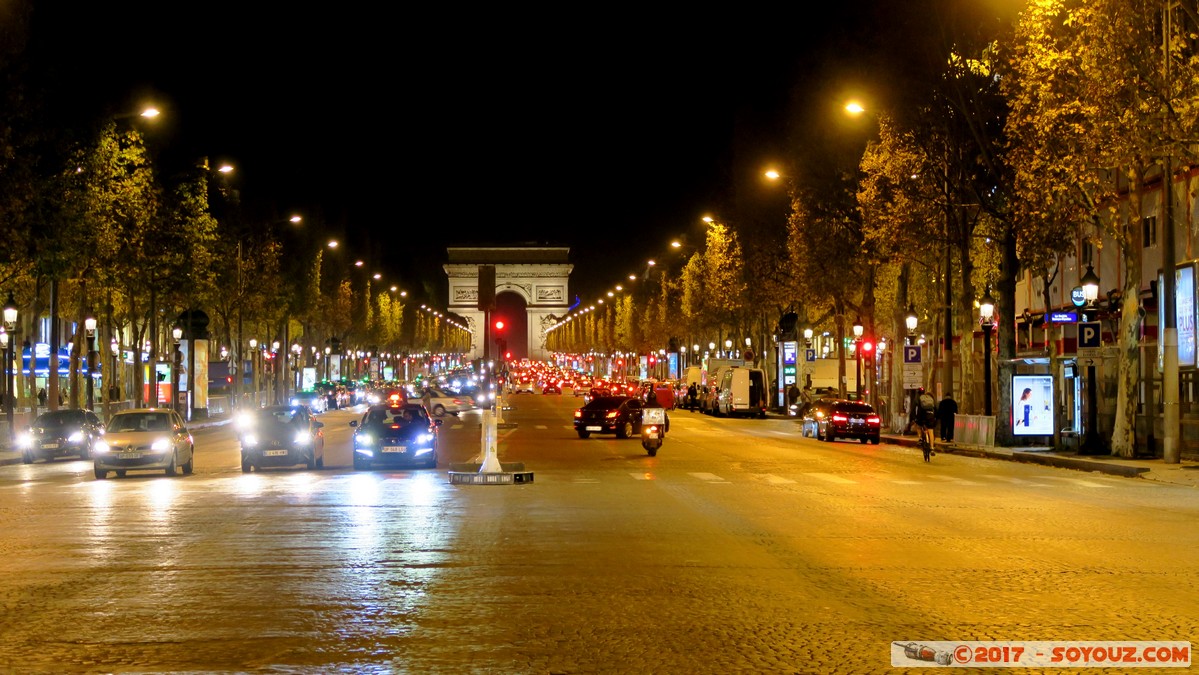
(809,355)
(911,354)
(1090,334)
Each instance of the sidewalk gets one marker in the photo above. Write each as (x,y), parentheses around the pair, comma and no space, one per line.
(1184,473)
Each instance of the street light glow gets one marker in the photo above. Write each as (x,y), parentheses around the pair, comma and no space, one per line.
(854,108)
(772,174)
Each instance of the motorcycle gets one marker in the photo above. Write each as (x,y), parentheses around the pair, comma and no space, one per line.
(653,429)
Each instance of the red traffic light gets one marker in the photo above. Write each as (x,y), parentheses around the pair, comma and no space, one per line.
(507,356)
(499,324)
(867,346)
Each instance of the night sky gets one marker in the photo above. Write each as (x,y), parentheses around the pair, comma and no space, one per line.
(405,130)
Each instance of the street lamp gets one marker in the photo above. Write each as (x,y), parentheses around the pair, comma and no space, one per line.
(89,325)
(858,330)
(911,320)
(254,368)
(113,390)
(10,322)
(1092,445)
(4,372)
(728,348)
(986,314)
(177,336)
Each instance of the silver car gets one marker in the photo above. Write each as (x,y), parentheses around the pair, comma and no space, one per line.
(144,439)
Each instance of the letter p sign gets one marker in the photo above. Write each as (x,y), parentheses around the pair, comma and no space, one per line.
(1089,334)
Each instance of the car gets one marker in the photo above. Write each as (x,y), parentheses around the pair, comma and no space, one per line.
(313,400)
(442,401)
(620,415)
(522,384)
(144,439)
(396,435)
(280,435)
(551,388)
(830,419)
(60,433)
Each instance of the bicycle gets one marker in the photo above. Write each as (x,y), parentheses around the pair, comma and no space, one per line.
(926,441)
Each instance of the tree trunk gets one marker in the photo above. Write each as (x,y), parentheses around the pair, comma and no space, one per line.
(1006,338)
(1128,344)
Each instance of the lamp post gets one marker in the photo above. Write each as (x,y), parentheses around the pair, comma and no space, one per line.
(858,330)
(113,389)
(10,322)
(728,348)
(297,350)
(176,336)
(89,325)
(986,314)
(254,369)
(4,372)
(807,368)
(910,321)
(1092,444)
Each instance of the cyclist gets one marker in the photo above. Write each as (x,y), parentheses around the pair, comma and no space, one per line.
(924,417)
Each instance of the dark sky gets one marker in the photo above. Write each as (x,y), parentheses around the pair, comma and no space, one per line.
(606,129)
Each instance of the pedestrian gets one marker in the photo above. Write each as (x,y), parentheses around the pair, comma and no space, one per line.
(41,397)
(793,397)
(945,412)
(692,394)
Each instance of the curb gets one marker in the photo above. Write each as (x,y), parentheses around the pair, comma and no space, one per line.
(1096,465)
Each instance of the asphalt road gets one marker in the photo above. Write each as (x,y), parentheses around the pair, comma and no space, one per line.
(739,548)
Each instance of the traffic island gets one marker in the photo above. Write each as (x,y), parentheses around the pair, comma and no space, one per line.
(489,471)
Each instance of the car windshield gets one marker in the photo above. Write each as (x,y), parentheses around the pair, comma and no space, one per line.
(849,407)
(59,418)
(605,403)
(140,422)
(401,415)
(277,415)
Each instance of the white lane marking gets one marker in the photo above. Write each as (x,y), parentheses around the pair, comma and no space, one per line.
(642,476)
(540,426)
(1086,483)
(1015,481)
(908,482)
(788,434)
(832,478)
(586,480)
(776,480)
(958,481)
(708,477)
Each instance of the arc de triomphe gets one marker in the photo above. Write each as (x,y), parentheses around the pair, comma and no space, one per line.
(539,275)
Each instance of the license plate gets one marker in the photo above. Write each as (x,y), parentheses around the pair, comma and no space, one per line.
(594,428)
(129,455)
(651,433)
(394,448)
(50,446)
(274,453)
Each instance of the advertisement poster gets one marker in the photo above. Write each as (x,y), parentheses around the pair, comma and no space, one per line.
(1184,294)
(1032,405)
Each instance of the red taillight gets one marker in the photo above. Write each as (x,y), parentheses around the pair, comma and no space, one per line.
(611,415)
(840,418)
(653,429)
(874,419)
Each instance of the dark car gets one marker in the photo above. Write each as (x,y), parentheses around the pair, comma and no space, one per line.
(281,435)
(396,435)
(60,433)
(551,388)
(830,419)
(620,415)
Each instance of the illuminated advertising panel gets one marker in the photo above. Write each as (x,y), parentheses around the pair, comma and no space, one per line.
(1032,405)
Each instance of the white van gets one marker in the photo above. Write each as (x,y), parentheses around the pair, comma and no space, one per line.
(742,392)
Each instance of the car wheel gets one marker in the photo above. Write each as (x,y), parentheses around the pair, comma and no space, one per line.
(86,452)
(191,463)
(311,461)
(439,410)
(320,462)
(101,474)
(432,463)
(584,434)
(864,440)
(170,470)
(829,435)
(27,457)
(874,440)
(246,466)
(624,430)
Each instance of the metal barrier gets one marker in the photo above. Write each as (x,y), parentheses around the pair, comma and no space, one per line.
(974,430)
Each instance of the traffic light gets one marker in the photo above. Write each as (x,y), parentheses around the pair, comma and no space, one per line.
(652,359)
(868,354)
(499,324)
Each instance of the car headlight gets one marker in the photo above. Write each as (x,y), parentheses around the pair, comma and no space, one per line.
(249,439)
(245,421)
(302,438)
(364,440)
(25,440)
(101,447)
(295,401)
(76,437)
(161,445)
(424,438)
